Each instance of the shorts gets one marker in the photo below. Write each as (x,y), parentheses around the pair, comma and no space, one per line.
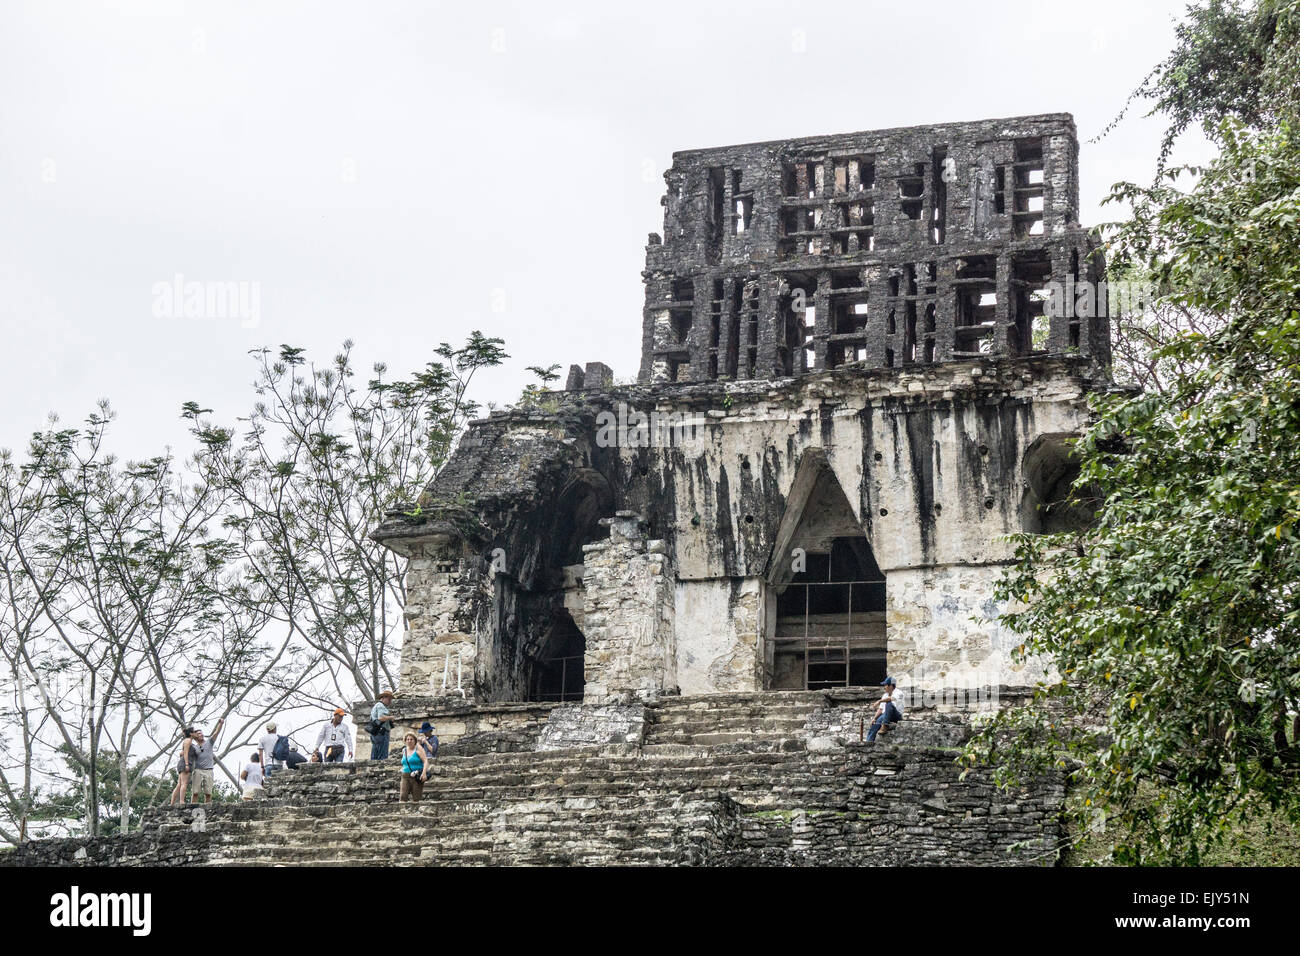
(252,793)
(200,782)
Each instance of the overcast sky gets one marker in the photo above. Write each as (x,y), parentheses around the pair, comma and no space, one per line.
(402,173)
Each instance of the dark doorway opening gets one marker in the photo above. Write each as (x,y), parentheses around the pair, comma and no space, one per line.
(830,629)
(551,641)
(560,676)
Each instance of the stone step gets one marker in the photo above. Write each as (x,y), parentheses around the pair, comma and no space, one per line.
(495,777)
(629,830)
(749,801)
(788,715)
(768,697)
(716,738)
(748,728)
(744,705)
(793,718)
(521,765)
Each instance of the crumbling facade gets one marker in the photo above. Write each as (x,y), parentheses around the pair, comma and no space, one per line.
(856,379)
(888,249)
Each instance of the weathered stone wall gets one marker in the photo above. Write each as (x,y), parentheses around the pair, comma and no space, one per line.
(937,466)
(628,616)
(943,630)
(901,806)
(585,725)
(914,225)
(860,805)
(440,647)
(719,650)
(932,461)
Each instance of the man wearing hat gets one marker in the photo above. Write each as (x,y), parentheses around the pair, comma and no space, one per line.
(381,725)
(428,739)
(265,748)
(889,709)
(335,736)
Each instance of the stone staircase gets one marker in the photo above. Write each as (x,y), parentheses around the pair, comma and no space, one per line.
(713,719)
(720,779)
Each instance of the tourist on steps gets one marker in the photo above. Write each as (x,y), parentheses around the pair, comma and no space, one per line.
(294,759)
(335,737)
(428,739)
(889,709)
(266,749)
(415,769)
(251,777)
(204,765)
(185,763)
(381,725)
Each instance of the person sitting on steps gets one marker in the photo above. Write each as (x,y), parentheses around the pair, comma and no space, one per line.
(889,709)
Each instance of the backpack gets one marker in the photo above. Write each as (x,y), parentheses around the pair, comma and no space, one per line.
(281,749)
(376,728)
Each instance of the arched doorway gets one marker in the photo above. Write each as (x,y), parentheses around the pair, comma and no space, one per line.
(829,607)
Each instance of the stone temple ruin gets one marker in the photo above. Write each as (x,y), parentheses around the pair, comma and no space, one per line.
(850,388)
(649,620)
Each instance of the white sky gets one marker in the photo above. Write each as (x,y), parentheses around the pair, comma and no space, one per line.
(380,168)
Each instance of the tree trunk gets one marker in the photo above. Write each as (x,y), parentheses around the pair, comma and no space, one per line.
(92,809)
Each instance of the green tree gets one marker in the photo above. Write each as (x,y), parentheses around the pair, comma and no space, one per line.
(320,463)
(1174,621)
(119,809)
(534,393)
(1232,61)
(120,622)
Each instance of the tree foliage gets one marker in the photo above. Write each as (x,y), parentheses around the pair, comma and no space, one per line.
(139,598)
(1232,61)
(1174,621)
(117,626)
(319,464)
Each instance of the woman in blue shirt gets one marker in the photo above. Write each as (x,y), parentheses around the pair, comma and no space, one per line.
(415,770)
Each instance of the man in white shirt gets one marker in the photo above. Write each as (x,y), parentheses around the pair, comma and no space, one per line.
(889,709)
(265,748)
(335,737)
(251,777)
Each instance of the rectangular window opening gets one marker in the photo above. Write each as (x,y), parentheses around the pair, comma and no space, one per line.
(1030,325)
(939,189)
